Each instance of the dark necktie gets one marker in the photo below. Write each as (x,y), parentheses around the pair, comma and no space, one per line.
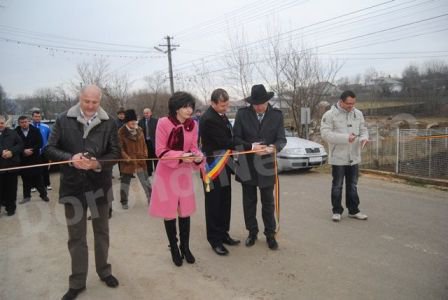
(147,129)
(260,117)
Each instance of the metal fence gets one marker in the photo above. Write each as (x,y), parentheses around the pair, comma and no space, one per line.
(417,152)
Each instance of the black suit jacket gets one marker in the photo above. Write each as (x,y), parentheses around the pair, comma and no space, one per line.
(32,140)
(216,132)
(254,169)
(152,128)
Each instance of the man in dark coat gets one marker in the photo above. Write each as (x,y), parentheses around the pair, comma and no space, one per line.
(217,137)
(11,146)
(259,127)
(149,124)
(32,143)
(87,136)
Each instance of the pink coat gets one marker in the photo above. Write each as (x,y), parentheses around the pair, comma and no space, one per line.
(172,188)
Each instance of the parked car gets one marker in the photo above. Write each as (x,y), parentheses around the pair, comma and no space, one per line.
(299,153)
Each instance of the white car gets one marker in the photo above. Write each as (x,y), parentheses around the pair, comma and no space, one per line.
(300,154)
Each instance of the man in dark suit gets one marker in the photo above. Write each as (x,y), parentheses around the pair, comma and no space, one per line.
(149,125)
(217,137)
(32,143)
(259,127)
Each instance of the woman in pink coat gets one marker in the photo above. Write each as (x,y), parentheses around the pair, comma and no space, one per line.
(172,194)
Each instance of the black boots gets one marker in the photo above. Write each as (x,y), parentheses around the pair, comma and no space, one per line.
(184,233)
(184,229)
(170,227)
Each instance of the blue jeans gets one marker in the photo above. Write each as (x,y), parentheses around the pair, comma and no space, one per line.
(351,192)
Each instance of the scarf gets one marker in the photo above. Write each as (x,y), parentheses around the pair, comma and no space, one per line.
(176,138)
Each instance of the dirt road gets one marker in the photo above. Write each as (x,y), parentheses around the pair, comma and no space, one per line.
(401,252)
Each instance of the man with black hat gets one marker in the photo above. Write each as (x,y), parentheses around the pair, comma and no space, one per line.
(259,127)
(133,146)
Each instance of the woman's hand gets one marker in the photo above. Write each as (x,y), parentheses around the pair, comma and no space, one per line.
(187,157)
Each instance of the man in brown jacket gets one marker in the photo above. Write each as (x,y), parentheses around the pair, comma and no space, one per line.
(133,146)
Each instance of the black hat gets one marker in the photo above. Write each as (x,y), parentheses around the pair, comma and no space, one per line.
(121,110)
(130,115)
(258,95)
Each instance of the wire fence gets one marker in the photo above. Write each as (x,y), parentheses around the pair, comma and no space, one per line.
(417,152)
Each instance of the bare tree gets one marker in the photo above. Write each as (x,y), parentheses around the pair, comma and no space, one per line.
(45,100)
(116,92)
(203,81)
(307,81)
(63,98)
(156,86)
(94,72)
(239,63)
(273,68)
(2,100)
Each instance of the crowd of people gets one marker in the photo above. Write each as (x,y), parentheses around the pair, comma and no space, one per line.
(169,149)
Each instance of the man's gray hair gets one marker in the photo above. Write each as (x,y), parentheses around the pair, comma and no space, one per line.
(91,86)
(2,118)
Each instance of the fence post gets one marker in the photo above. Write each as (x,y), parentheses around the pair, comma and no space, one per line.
(398,151)
(430,152)
(377,145)
(446,138)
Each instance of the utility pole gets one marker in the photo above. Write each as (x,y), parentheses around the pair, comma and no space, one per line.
(170,48)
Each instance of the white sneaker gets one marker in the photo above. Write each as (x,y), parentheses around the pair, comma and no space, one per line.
(336,217)
(33,190)
(359,216)
(49,188)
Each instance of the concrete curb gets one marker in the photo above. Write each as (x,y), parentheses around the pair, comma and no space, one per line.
(422,180)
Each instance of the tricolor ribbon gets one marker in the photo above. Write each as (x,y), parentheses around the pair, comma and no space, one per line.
(213,170)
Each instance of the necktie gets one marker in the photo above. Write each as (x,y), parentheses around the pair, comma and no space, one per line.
(260,117)
(147,129)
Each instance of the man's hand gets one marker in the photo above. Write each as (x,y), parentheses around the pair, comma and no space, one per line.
(28,152)
(351,138)
(6,154)
(261,149)
(364,143)
(80,161)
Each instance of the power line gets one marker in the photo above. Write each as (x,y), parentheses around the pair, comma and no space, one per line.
(72,50)
(266,59)
(204,32)
(16,30)
(352,38)
(302,27)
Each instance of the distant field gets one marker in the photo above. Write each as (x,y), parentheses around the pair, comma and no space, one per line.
(380,104)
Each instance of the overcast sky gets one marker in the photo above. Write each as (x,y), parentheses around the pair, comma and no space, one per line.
(43,41)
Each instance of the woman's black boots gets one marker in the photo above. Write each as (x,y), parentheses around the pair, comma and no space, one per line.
(170,227)
(184,233)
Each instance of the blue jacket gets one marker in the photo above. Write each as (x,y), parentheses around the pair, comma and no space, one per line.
(45,132)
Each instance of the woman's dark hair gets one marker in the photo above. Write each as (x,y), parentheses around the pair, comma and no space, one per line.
(179,100)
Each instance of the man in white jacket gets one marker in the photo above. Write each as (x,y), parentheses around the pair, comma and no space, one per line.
(343,128)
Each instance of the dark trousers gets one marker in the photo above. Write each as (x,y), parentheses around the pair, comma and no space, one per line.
(30,181)
(351,191)
(46,173)
(217,209)
(8,191)
(75,215)
(151,164)
(267,209)
(126,181)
